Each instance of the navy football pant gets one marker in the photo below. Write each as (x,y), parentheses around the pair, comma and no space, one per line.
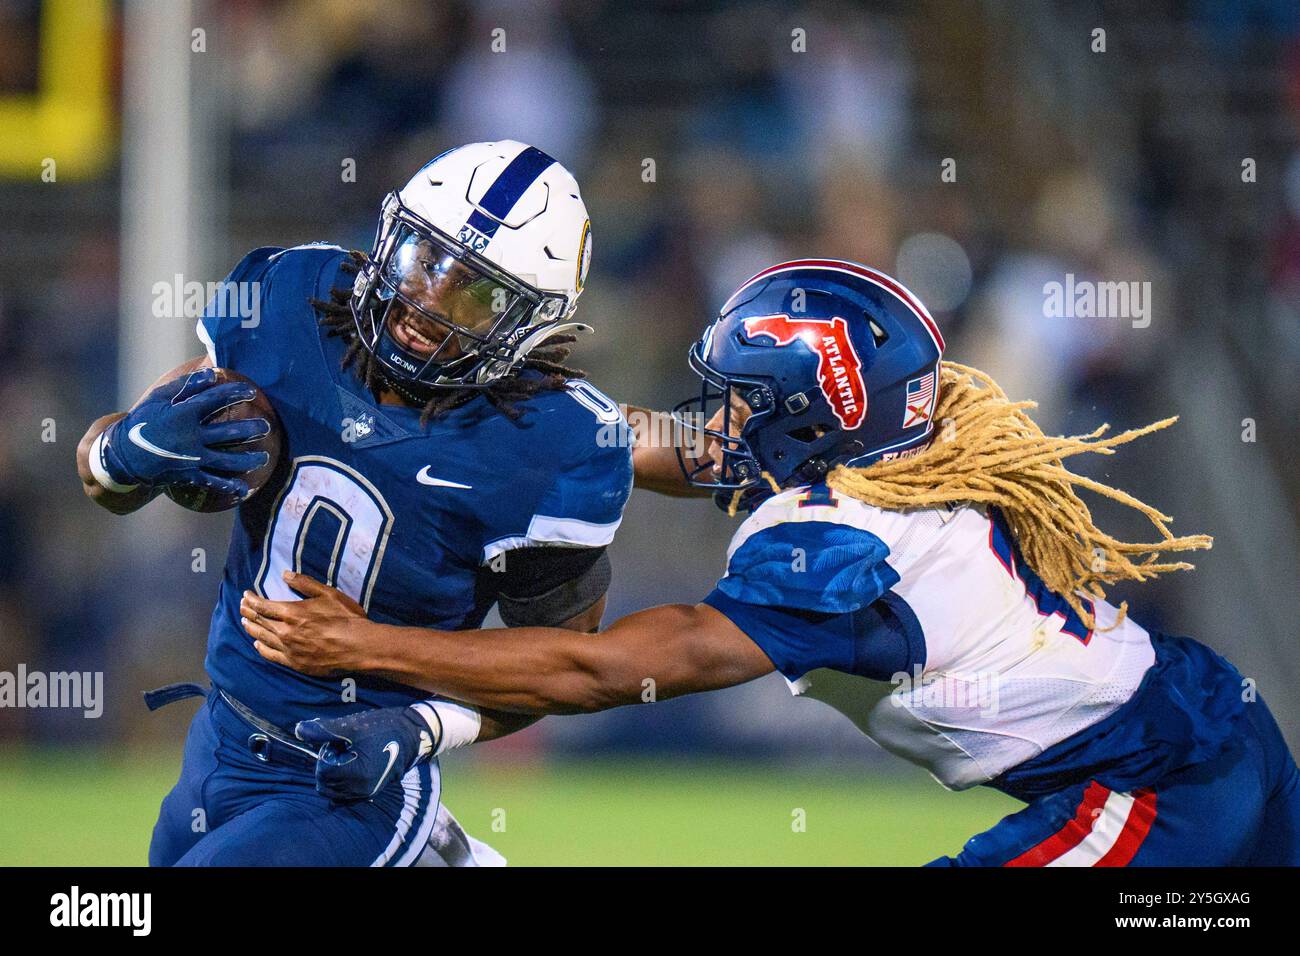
(1240,808)
(231,809)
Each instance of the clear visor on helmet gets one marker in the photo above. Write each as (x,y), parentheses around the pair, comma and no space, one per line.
(436,313)
(442,308)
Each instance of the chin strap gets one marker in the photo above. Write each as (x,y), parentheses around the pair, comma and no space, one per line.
(492,371)
(405,390)
(817,467)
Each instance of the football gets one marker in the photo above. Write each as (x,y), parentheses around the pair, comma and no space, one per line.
(207,501)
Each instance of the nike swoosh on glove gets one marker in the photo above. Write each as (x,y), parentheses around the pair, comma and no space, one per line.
(357,755)
(167,439)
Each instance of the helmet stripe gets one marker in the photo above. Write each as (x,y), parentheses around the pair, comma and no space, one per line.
(863,272)
(502,195)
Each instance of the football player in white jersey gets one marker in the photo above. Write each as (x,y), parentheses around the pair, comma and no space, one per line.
(916,555)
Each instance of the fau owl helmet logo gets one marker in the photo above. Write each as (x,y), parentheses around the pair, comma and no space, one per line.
(839,370)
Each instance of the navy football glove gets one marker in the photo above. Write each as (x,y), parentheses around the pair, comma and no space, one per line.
(359,754)
(165,439)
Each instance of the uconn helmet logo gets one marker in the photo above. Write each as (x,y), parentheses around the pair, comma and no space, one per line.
(839,370)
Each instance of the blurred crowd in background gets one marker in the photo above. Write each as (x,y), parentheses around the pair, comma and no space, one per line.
(976,150)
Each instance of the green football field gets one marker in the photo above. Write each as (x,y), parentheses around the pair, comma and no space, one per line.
(65,808)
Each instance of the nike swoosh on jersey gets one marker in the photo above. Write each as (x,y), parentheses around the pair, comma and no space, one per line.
(390,748)
(140,441)
(424,478)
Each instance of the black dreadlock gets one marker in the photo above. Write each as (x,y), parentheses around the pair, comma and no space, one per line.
(336,318)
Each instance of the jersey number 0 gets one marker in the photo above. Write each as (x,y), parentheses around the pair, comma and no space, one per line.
(329,523)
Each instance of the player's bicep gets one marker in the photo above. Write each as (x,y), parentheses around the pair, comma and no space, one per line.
(795,640)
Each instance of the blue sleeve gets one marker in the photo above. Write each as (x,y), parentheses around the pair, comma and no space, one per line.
(584,504)
(595,489)
(569,479)
(260,319)
(798,590)
(809,566)
(236,306)
(877,642)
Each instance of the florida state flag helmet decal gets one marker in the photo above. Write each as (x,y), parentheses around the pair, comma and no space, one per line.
(839,369)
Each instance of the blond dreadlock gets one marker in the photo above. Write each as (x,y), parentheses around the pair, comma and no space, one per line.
(990,451)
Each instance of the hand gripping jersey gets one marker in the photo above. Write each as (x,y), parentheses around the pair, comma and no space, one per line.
(398,515)
(927,630)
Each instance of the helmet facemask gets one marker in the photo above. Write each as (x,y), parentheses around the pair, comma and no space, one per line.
(739,469)
(782,443)
(436,314)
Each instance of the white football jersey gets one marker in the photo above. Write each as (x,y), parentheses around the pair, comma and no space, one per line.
(1009,670)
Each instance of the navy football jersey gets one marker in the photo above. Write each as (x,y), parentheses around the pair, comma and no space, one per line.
(400,516)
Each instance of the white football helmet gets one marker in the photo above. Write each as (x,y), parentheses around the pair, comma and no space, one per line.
(476,261)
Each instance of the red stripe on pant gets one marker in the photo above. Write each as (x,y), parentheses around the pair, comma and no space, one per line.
(1070,835)
(1136,827)
(1138,823)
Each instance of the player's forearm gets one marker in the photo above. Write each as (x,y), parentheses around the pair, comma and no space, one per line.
(500,723)
(654,458)
(654,654)
(657,470)
(119,503)
(529,670)
(651,655)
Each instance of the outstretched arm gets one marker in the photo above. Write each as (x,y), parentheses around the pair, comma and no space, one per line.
(655,654)
(654,457)
(500,723)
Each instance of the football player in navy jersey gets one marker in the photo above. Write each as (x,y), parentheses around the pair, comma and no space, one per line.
(916,555)
(438,458)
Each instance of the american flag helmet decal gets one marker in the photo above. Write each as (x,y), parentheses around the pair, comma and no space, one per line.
(920,400)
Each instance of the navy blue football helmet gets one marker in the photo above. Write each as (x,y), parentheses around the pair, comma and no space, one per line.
(837,364)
